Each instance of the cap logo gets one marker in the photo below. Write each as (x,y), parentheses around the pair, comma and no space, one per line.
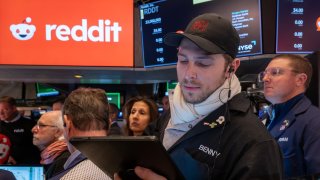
(200,25)
(179,32)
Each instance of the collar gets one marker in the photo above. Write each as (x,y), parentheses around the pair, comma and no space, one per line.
(240,103)
(71,158)
(214,118)
(18,116)
(283,108)
(217,118)
(298,105)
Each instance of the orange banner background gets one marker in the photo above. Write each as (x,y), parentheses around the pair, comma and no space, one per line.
(39,51)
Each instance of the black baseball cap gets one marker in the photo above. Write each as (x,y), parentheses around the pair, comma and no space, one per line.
(210,32)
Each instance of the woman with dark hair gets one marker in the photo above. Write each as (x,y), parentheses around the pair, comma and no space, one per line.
(140,114)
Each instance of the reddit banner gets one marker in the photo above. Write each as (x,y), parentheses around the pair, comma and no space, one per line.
(66,32)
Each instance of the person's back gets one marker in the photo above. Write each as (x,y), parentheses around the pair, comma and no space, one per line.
(85,113)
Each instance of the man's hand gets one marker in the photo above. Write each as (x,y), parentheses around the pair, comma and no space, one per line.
(144,174)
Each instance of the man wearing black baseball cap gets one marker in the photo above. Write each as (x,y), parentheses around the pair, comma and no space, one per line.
(212,132)
(210,32)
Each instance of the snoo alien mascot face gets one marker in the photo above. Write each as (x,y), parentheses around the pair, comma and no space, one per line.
(5,145)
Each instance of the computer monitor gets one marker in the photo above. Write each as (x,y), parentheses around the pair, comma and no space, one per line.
(114,97)
(45,90)
(298,26)
(171,85)
(25,172)
(160,17)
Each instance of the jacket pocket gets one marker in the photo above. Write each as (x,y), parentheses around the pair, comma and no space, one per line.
(205,161)
(291,165)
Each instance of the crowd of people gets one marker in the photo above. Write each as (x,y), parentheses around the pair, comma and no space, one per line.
(208,127)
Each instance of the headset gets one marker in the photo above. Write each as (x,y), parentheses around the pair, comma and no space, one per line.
(231,69)
(226,114)
(227,117)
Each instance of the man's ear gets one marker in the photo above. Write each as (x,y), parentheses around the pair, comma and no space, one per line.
(67,121)
(235,64)
(301,79)
(59,133)
(232,68)
(68,126)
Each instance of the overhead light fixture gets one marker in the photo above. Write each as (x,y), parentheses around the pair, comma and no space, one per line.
(78,76)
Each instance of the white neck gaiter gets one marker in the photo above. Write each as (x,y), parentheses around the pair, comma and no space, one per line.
(183,112)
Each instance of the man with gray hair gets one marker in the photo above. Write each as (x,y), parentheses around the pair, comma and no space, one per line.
(48,137)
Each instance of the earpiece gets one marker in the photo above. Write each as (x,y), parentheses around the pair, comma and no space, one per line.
(231,69)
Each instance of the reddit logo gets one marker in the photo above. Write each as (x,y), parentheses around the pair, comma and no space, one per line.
(318,24)
(23,31)
(5,145)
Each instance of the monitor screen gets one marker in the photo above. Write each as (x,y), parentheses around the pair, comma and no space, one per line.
(114,97)
(67,33)
(160,110)
(44,90)
(171,85)
(120,115)
(159,17)
(298,26)
(25,172)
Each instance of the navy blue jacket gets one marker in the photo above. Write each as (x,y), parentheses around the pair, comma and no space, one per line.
(239,148)
(298,134)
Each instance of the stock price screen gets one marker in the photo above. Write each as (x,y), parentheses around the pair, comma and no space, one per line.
(161,17)
(298,26)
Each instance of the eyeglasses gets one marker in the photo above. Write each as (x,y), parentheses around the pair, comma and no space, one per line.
(41,126)
(273,72)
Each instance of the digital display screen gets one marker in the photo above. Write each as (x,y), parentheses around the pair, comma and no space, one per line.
(43,90)
(114,97)
(298,26)
(67,33)
(161,17)
(25,172)
(171,85)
